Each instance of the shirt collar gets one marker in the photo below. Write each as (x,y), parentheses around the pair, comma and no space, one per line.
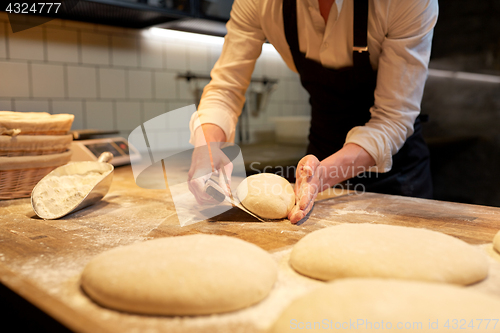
(338,3)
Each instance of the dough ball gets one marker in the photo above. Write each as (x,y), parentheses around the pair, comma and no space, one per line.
(374,305)
(496,242)
(385,251)
(267,195)
(186,275)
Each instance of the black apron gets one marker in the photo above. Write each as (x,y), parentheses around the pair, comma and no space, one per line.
(341,99)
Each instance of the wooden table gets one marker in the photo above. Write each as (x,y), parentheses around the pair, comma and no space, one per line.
(42,260)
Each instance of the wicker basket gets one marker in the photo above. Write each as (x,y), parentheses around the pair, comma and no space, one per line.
(34,123)
(28,145)
(19,175)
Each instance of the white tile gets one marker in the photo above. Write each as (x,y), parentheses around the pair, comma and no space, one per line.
(139,84)
(289,109)
(3,40)
(176,56)
(95,48)
(124,51)
(214,55)
(54,23)
(165,85)
(280,93)
(303,94)
(14,80)
(112,83)
(71,107)
(110,28)
(5,104)
(273,109)
(167,140)
(26,44)
(258,70)
(32,105)
(154,109)
(293,75)
(285,72)
(272,66)
(184,140)
(79,25)
(136,138)
(62,45)
(47,80)
(177,105)
(254,122)
(186,89)
(99,115)
(181,120)
(124,134)
(151,53)
(294,92)
(198,59)
(301,109)
(82,82)
(128,115)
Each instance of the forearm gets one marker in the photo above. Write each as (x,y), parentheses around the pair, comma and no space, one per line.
(224,97)
(207,133)
(348,162)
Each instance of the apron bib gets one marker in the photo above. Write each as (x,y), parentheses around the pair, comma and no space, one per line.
(341,99)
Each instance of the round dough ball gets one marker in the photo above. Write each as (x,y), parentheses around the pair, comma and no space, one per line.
(374,305)
(267,195)
(496,242)
(186,275)
(376,250)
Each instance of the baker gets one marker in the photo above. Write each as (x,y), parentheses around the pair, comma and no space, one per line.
(364,64)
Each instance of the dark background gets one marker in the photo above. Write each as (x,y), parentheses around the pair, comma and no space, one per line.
(463,131)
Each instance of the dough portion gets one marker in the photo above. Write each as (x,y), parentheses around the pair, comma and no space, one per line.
(496,242)
(267,195)
(374,305)
(385,251)
(185,275)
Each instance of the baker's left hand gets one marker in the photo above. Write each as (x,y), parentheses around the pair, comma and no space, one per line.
(309,181)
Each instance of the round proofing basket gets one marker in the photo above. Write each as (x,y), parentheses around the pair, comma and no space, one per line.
(34,123)
(19,175)
(28,145)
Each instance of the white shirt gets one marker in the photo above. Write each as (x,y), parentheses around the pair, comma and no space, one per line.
(399,42)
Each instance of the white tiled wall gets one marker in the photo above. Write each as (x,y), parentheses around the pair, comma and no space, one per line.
(115,78)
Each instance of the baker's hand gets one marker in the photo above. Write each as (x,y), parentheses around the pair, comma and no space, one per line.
(309,181)
(208,159)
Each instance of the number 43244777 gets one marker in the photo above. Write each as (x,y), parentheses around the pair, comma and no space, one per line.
(35,8)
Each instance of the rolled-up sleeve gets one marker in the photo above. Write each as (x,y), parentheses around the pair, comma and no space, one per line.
(224,96)
(402,72)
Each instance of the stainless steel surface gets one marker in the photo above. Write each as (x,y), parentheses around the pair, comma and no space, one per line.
(95,194)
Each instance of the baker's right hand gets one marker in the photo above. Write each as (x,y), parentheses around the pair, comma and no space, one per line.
(208,159)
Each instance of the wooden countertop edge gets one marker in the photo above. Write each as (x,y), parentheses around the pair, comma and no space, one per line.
(64,314)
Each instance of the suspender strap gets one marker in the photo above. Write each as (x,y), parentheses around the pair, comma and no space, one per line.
(290,23)
(360,33)
(360,23)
